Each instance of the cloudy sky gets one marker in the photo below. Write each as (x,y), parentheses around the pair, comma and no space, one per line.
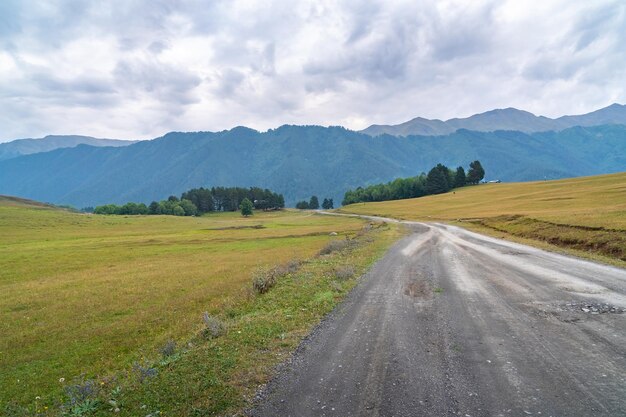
(138,69)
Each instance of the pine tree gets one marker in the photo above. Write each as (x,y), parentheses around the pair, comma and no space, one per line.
(314,204)
(437,180)
(459,179)
(476,173)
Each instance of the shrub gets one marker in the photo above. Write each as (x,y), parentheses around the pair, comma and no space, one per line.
(169,348)
(82,398)
(344,272)
(264,279)
(336,286)
(334,246)
(366,229)
(213,327)
(293,265)
(81,390)
(280,271)
(144,372)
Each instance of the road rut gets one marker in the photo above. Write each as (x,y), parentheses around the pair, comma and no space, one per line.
(453,323)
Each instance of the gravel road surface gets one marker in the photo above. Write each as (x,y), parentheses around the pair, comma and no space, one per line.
(453,323)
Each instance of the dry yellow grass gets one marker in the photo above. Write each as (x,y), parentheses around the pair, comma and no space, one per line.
(589,201)
(585,214)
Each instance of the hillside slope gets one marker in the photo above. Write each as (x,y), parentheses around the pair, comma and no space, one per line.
(10,201)
(501,119)
(21,147)
(299,161)
(587,214)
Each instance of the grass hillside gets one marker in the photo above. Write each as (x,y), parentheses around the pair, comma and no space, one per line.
(585,214)
(89,305)
(10,201)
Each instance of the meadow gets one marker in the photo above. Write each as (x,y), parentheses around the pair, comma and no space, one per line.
(90,301)
(586,215)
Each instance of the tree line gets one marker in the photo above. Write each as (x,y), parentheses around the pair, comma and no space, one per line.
(440,179)
(314,204)
(201,200)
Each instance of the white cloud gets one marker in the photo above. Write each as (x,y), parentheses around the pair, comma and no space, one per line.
(137,69)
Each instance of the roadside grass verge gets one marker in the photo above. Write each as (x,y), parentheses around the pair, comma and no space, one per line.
(221,375)
(584,216)
(609,243)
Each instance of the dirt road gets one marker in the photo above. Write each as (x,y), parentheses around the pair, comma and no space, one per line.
(452,323)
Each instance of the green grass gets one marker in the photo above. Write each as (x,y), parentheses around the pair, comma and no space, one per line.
(90,295)
(586,216)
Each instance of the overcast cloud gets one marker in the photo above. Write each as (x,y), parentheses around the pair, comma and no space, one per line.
(138,69)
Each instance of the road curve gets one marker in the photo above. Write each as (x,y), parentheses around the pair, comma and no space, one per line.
(453,323)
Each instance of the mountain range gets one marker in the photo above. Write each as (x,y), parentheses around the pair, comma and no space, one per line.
(501,119)
(300,161)
(21,147)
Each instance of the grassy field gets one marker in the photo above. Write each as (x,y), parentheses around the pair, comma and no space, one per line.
(87,303)
(586,215)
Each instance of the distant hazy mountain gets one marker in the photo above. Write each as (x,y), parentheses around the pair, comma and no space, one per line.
(502,119)
(299,161)
(29,146)
(613,114)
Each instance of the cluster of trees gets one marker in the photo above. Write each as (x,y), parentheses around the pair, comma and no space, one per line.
(128,208)
(328,204)
(172,206)
(203,200)
(440,179)
(230,198)
(314,204)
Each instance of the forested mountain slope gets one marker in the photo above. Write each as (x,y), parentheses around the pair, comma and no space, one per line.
(299,161)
